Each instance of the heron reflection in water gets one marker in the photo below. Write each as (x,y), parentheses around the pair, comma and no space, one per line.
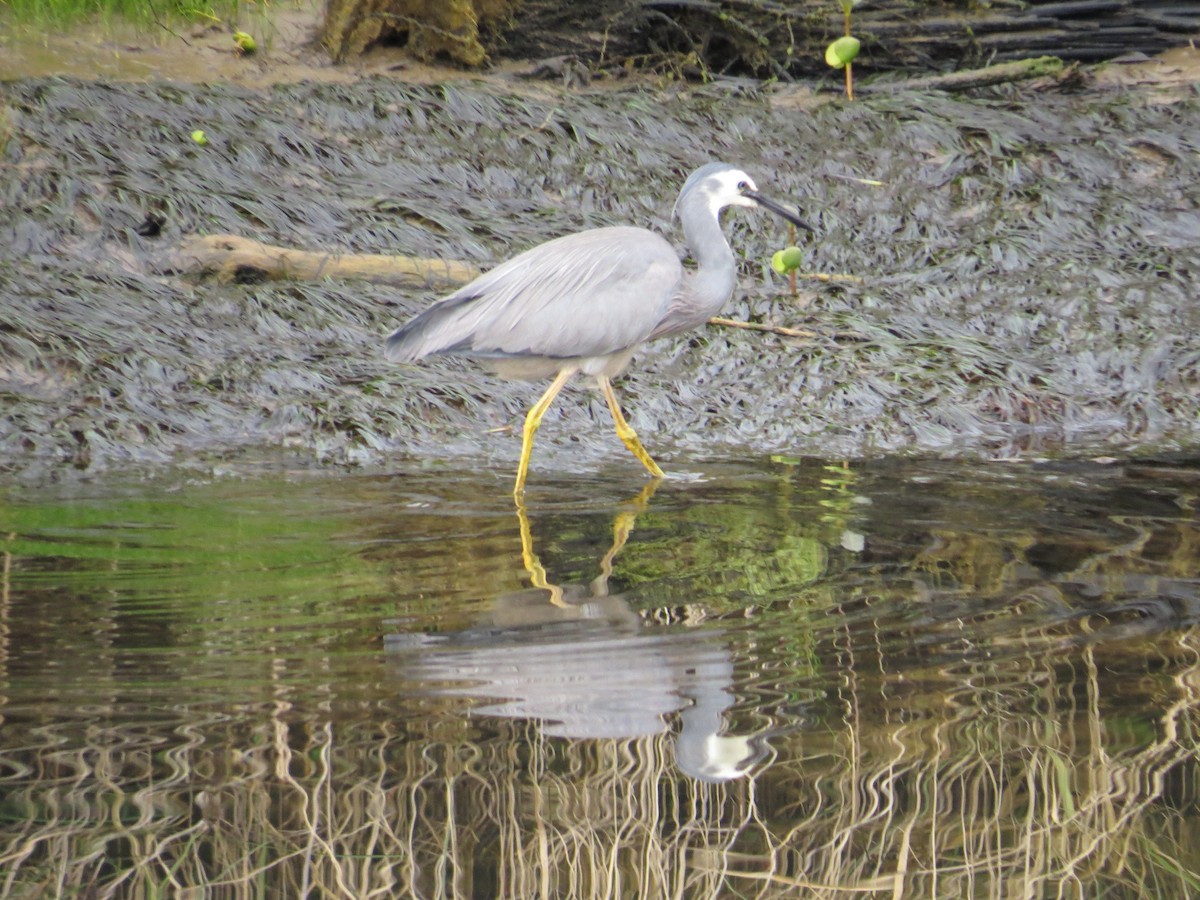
(578,660)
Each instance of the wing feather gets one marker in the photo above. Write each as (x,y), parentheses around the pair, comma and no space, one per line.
(587,294)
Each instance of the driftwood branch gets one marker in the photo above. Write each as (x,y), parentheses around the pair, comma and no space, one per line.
(755,326)
(232,258)
(782,330)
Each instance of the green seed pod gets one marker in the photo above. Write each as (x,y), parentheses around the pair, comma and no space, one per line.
(245,42)
(842,51)
(791,258)
(200,137)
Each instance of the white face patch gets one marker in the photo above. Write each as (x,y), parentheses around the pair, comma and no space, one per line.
(725,189)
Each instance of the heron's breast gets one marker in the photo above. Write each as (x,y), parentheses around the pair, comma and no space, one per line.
(538,368)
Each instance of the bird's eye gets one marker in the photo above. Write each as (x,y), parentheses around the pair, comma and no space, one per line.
(744,186)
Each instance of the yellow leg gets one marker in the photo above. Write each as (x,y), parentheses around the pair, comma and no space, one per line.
(622,528)
(625,431)
(532,421)
(533,565)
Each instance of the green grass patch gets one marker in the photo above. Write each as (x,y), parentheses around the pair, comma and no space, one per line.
(144,13)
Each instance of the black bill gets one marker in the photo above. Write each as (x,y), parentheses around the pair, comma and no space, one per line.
(783,210)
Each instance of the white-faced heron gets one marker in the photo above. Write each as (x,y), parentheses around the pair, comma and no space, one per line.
(585,302)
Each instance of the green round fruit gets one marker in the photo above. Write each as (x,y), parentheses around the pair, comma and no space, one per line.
(842,51)
(778,264)
(792,258)
(245,42)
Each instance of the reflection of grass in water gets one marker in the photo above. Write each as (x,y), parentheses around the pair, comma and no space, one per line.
(998,758)
(1015,781)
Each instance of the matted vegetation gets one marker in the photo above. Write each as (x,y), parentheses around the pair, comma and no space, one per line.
(1027,267)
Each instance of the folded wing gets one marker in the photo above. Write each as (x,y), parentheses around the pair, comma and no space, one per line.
(587,294)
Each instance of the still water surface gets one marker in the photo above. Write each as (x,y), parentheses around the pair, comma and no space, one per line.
(799,679)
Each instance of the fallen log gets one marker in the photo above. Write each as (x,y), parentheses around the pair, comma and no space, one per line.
(230,258)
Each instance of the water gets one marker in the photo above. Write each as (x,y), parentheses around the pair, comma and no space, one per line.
(795,679)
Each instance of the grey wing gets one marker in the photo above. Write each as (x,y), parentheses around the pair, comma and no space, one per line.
(586,294)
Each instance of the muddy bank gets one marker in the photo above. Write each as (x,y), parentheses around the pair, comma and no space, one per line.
(1028,269)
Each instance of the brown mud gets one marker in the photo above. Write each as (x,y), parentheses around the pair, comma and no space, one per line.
(288,52)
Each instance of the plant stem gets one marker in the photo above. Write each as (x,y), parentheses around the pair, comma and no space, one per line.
(792,241)
(849,77)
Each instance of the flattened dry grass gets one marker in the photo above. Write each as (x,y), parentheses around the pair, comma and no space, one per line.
(291,800)
(1023,284)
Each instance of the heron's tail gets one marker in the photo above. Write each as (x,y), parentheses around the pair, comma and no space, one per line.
(439,329)
(404,344)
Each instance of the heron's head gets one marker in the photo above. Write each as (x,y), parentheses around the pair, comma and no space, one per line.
(719,757)
(718,185)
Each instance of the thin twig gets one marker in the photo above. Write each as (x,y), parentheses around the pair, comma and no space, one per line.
(792,272)
(783,331)
(755,326)
(823,276)
(163,25)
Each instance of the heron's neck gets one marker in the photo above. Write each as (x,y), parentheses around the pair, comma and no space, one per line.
(716,271)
